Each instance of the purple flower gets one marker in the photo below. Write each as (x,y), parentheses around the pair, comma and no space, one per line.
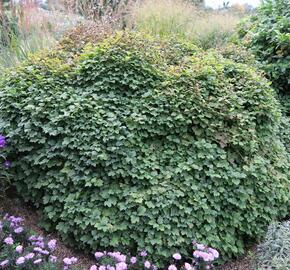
(52,258)
(133,260)
(52,244)
(121,258)
(176,256)
(214,252)
(154,267)
(4,263)
(207,257)
(102,267)
(19,230)
(121,266)
(147,264)
(94,267)
(29,256)
(19,249)
(37,249)
(32,238)
(143,253)
(9,240)
(7,164)
(38,244)
(41,251)
(44,252)
(69,261)
(172,267)
(2,141)
(187,266)
(1,226)
(37,261)
(20,260)
(118,256)
(99,255)
(15,221)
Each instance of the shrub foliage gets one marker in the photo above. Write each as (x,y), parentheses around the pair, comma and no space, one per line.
(137,144)
(267,34)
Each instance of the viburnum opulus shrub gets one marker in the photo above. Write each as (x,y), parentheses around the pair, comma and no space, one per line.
(129,147)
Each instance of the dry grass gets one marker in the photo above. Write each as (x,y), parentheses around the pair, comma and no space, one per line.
(177,18)
(29,29)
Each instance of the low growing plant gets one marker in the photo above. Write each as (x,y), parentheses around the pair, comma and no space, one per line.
(274,252)
(21,250)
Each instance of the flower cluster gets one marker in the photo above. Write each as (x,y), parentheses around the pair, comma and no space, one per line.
(4,166)
(202,259)
(3,143)
(20,250)
(118,261)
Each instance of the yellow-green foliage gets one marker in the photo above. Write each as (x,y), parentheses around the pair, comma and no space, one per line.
(141,144)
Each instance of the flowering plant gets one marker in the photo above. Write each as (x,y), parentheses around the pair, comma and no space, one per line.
(202,259)
(19,249)
(119,261)
(4,166)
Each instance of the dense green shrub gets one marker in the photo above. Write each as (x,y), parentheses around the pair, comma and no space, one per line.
(267,34)
(138,144)
(274,252)
(238,54)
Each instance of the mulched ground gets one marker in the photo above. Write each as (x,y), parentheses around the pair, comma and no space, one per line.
(32,218)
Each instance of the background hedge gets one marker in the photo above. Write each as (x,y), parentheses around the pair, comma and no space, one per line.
(138,144)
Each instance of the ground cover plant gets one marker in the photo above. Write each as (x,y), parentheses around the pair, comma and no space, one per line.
(138,144)
(273,252)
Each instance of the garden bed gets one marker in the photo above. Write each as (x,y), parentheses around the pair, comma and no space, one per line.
(32,219)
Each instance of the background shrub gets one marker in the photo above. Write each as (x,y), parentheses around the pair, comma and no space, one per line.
(274,252)
(267,34)
(138,144)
